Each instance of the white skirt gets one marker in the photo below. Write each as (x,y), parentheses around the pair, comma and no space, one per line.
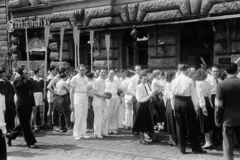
(38,96)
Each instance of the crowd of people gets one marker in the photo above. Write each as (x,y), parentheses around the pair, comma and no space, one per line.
(185,104)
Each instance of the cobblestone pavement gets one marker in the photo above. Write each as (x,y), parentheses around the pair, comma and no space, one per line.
(123,146)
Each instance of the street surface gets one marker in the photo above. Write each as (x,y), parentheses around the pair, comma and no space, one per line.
(123,146)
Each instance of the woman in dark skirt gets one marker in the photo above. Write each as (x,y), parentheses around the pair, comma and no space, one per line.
(206,113)
(170,122)
(144,121)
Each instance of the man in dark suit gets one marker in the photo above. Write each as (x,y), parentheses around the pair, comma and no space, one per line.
(227,109)
(25,103)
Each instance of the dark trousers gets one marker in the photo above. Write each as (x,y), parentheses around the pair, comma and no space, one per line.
(135,108)
(90,117)
(55,120)
(186,121)
(64,112)
(229,134)
(24,119)
(3,150)
(216,135)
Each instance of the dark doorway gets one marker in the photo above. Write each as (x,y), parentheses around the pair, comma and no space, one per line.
(197,41)
(129,59)
(85,50)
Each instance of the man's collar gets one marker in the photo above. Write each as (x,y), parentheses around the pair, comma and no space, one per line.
(81,76)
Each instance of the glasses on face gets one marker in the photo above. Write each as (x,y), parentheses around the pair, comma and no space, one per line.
(82,70)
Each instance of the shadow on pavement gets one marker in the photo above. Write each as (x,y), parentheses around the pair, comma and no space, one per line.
(24,153)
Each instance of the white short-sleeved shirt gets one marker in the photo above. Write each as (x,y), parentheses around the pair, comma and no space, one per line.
(80,83)
(99,85)
(213,83)
(62,87)
(112,86)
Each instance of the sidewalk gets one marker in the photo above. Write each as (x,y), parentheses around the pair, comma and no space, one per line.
(123,146)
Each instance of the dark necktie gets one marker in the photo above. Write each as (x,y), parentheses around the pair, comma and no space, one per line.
(216,80)
(146,89)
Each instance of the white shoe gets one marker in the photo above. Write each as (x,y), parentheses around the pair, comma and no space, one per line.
(86,137)
(115,132)
(146,135)
(100,137)
(78,138)
(148,140)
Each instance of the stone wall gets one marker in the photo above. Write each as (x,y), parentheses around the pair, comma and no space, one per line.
(100,52)
(3,34)
(134,12)
(163,56)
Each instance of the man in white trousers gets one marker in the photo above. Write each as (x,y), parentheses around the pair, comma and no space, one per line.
(128,101)
(132,87)
(79,103)
(100,106)
(112,86)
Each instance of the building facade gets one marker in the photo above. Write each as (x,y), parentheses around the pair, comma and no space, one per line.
(169,31)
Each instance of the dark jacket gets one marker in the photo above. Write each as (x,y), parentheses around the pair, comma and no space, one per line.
(23,90)
(228,91)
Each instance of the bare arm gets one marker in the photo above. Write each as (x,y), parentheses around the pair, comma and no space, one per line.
(50,85)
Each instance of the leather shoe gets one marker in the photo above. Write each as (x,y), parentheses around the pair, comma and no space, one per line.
(32,146)
(9,141)
(200,152)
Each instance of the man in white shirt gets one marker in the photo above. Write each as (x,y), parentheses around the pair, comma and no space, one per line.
(213,80)
(132,88)
(121,107)
(127,100)
(3,130)
(79,103)
(112,86)
(185,103)
(100,106)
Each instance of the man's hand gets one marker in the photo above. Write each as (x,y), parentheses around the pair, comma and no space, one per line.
(4,135)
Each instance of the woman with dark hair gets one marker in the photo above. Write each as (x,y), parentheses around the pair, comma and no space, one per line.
(170,122)
(144,122)
(206,112)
